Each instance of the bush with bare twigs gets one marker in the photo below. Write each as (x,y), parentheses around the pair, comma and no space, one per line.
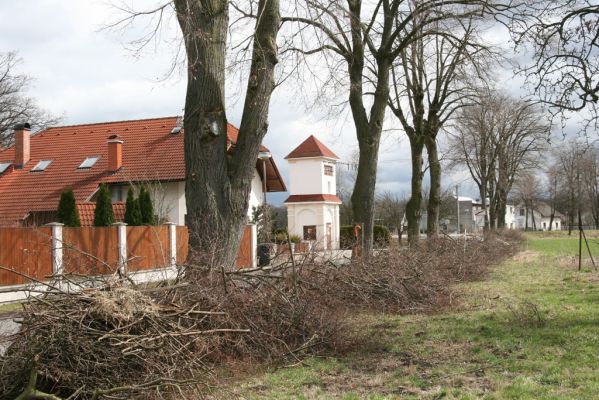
(123,341)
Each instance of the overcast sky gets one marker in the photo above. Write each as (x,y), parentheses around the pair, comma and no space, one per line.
(89,75)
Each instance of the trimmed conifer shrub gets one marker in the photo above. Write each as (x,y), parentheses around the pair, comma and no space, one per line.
(132,210)
(103,215)
(146,207)
(67,209)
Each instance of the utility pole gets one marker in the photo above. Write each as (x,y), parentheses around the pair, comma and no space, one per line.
(457,197)
(579,216)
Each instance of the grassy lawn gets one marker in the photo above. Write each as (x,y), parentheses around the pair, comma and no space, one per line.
(10,307)
(528,332)
(559,243)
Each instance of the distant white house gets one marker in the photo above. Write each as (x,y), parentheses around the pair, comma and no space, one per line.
(538,218)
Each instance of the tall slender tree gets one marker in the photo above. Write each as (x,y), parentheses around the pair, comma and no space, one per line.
(103,213)
(435,76)
(146,207)
(132,209)
(67,209)
(364,39)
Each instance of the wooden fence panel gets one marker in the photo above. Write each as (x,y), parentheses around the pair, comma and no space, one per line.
(182,244)
(244,256)
(147,247)
(90,250)
(25,250)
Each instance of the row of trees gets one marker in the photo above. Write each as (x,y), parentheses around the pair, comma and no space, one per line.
(363,46)
(567,181)
(138,210)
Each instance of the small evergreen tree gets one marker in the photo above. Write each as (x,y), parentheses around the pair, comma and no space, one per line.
(67,209)
(132,210)
(103,215)
(146,207)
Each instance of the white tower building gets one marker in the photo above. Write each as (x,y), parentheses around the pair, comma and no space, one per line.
(313,205)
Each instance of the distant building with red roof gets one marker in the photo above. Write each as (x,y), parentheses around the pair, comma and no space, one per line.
(35,170)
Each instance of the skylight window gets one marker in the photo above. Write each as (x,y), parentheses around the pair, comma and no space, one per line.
(4,167)
(89,162)
(41,166)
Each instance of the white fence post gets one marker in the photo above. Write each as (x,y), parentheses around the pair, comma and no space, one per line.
(254,246)
(122,245)
(172,242)
(57,267)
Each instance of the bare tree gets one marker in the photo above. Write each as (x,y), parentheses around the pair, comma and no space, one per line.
(552,174)
(218,172)
(435,76)
(218,183)
(497,139)
(566,161)
(390,209)
(363,39)
(528,188)
(15,105)
(562,37)
(589,179)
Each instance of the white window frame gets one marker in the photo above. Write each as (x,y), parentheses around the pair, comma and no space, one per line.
(41,166)
(83,166)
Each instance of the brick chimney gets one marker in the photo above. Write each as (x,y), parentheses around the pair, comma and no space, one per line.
(115,153)
(22,148)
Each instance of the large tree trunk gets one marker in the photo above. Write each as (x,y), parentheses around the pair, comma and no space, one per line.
(501,208)
(217,183)
(368,128)
(415,203)
(434,197)
(483,200)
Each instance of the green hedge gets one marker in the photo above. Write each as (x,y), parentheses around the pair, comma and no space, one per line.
(382,236)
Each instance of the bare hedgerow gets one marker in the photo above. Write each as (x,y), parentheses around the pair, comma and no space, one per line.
(123,341)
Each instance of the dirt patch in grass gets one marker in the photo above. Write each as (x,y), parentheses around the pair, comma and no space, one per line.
(526,256)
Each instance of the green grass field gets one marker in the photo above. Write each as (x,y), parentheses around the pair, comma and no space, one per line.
(531,331)
(562,245)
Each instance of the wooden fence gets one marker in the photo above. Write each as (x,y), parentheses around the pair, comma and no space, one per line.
(28,251)
(42,252)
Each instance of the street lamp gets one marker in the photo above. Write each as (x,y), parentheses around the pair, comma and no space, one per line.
(264,156)
(264,249)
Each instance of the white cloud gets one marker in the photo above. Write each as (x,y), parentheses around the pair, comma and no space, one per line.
(88,75)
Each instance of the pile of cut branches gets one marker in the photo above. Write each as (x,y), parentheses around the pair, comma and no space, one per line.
(123,341)
(117,342)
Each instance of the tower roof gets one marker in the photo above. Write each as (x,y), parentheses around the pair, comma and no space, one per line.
(312,147)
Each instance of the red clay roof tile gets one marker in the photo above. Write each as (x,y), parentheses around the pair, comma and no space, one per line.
(150,153)
(86,212)
(311,147)
(304,198)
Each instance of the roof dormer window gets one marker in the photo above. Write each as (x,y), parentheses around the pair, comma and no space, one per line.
(4,167)
(89,162)
(41,166)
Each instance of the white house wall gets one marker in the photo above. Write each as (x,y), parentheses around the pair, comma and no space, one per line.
(257,193)
(306,176)
(170,205)
(317,214)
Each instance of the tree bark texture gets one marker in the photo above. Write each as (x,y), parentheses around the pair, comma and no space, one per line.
(218,181)
(434,197)
(368,127)
(413,208)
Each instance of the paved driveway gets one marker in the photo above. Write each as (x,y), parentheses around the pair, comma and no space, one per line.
(8,327)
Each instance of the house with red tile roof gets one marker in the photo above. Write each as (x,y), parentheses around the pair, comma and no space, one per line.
(37,168)
(313,205)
